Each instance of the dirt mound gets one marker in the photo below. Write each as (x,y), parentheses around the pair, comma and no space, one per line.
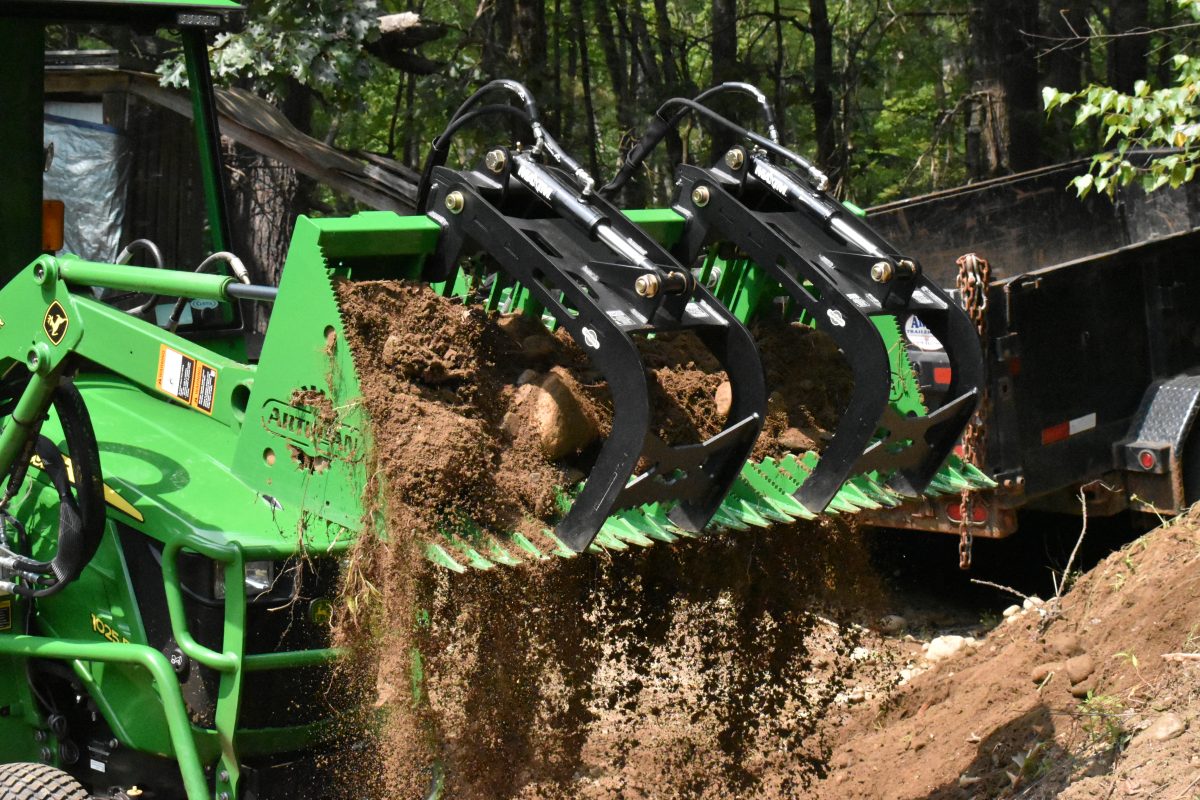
(1074,699)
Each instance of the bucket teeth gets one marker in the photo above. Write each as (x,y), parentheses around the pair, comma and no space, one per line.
(528,548)
(438,555)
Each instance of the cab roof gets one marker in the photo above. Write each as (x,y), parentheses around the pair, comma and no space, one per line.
(211,14)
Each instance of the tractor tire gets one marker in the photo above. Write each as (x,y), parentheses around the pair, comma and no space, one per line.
(38,782)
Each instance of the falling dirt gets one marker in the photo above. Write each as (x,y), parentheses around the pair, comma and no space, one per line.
(692,671)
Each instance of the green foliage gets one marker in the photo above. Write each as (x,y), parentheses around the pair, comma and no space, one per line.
(315,43)
(1103,718)
(1166,118)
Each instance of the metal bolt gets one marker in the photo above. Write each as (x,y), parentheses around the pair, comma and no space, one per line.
(646,285)
(495,160)
(455,202)
(700,196)
(223,776)
(735,158)
(882,272)
(906,267)
(223,796)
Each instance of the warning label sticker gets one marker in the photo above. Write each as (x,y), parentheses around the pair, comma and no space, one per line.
(206,388)
(6,614)
(186,379)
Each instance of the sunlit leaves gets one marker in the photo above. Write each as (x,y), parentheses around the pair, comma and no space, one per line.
(1165,122)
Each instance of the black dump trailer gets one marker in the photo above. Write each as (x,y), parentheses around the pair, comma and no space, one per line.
(1092,340)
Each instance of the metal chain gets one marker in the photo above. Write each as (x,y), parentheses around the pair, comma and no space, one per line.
(974,277)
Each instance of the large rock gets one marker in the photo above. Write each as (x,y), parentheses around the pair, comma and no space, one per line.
(796,440)
(724,398)
(1080,668)
(548,407)
(1166,727)
(949,646)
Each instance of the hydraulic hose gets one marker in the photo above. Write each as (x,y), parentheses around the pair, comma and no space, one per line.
(542,140)
(661,123)
(235,265)
(81,508)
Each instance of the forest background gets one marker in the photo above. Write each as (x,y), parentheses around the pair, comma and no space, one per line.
(891,98)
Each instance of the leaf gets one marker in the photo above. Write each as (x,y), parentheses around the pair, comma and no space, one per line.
(1051,97)
(1083,184)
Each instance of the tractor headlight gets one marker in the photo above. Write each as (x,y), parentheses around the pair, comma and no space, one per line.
(260,579)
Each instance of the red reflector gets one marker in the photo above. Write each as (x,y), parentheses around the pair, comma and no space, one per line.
(978,512)
(941,375)
(1147,459)
(1056,433)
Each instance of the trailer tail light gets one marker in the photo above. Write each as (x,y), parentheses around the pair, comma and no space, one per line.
(979,512)
(53,214)
(1147,460)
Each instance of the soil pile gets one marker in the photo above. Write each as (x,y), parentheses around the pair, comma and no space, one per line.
(1091,696)
(693,671)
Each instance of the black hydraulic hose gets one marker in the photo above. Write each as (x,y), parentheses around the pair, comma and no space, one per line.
(441,145)
(81,511)
(660,124)
(744,88)
(542,140)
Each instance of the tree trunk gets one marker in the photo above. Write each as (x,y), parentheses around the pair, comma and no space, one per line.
(821,100)
(1127,52)
(725,65)
(1004,130)
(266,196)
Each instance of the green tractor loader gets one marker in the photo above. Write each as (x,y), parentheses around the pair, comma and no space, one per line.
(174,516)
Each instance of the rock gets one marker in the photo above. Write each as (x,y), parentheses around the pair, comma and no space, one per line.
(550,407)
(528,376)
(1043,671)
(1011,611)
(391,348)
(944,647)
(891,623)
(1080,668)
(724,398)
(518,326)
(538,347)
(1166,727)
(1082,690)
(1032,602)
(1065,645)
(796,440)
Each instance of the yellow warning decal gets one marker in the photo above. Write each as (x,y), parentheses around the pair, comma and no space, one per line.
(186,379)
(110,494)
(6,614)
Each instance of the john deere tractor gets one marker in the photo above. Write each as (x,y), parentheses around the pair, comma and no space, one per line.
(174,515)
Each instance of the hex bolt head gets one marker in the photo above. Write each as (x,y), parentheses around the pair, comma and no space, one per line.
(906,267)
(646,285)
(882,272)
(455,202)
(735,158)
(495,160)
(701,196)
